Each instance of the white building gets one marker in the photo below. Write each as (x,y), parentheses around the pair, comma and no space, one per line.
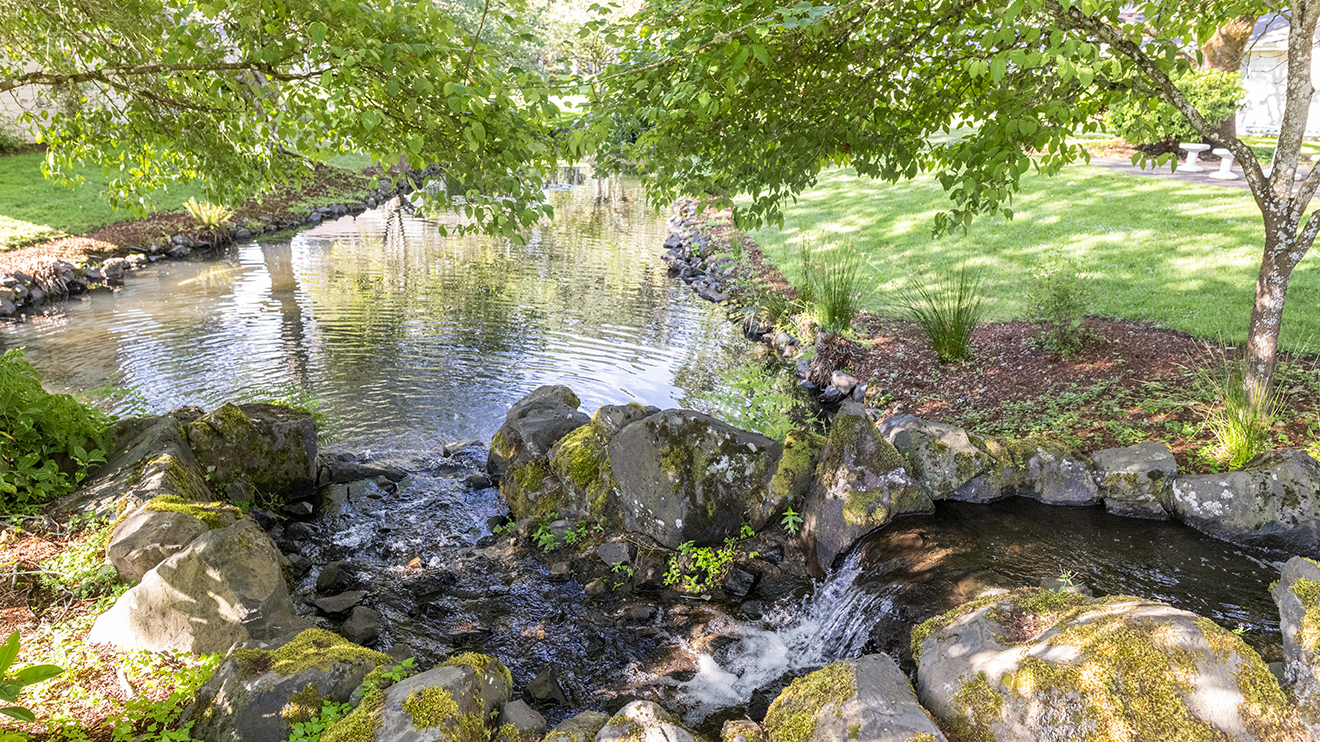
(1265,76)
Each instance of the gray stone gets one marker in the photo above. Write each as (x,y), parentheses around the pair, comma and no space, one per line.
(741,730)
(560,571)
(340,603)
(739,582)
(843,382)
(345,467)
(611,418)
(363,625)
(333,576)
(237,706)
(581,728)
(480,694)
(145,538)
(861,484)
(684,476)
(477,481)
(298,509)
(1300,669)
(881,707)
(523,718)
(226,587)
(1274,501)
(458,446)
(644,720)
(1136,479)
(614,552)
(532,426)
(271,447)
(7,307)
(941,457)
(300,564)
(546,687)
(595,588)
(1061,478)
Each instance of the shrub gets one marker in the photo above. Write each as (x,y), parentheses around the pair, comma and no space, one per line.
(39,429)
(1241,427)
(948,312)
(1060,294)
(1141,119)
(210,217)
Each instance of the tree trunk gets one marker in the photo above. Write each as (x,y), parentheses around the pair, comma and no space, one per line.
(1276,268)
(1224,50)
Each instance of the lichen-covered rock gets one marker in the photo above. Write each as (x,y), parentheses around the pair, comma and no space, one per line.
(1273,501)
(861,484)
(1040,469)
(1060,477)
(941,457)
(257,693)
(583,481)
(225,588)
(1136,479)
(793,474)
(525,721)
(1297,594)
(866,699)
(1036,664)
(271,447)
(451,703)
(161,528)
(684,476)
(532,425)
(644,721)
(580,728)
(741,730)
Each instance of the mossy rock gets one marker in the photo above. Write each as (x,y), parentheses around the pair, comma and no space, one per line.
(580,728)
(271,447)
(866,699)
(450,703)
(641,721)
(1297,594)
(1273,502)
(1094,670)
(532,426)
(941,457)
(162,527)
(793,475)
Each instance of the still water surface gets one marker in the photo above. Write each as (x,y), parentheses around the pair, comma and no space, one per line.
(406,337)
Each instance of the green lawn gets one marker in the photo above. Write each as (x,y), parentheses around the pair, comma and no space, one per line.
(1177,255)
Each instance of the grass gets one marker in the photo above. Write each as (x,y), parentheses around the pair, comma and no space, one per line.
(947,312)
(1180,256)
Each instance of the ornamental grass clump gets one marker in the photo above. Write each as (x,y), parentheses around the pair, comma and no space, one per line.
(947,312)
(838,289)
(1242,426)
(210,217)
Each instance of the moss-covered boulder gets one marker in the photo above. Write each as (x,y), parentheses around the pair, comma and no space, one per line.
(866,699)
(1136,479)
(1297,594)
(1273,501)
(684,476)
(580,728)
(860,485)
(1038,468)
(1035,665)
(793,475)
(642,721)
(271,447)
(583,481)
(161,528)
(225,588)
(532,425)
(452,703)
(261,689)
(941,457)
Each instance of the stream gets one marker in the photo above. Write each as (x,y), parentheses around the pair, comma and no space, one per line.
(409,340)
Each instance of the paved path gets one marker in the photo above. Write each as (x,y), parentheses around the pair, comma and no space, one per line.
(1124,165)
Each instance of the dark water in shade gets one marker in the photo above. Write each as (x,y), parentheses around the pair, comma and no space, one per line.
(408,338)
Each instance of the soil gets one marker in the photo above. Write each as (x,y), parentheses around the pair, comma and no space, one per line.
(1130,382)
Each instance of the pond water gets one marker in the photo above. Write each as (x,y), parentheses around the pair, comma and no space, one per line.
(408,339)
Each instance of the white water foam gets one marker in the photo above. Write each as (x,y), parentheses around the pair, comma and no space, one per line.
(833,624)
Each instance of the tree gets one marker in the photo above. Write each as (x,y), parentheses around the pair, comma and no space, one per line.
(757,98)
(243,94)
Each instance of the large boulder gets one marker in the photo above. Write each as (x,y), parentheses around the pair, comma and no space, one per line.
(1136,479)
(162,527)
(580,464)
(259,691)
(861,484)
(1041,469)
(1273,501)
(793,475)
(271,447)
(532,425)
(1037,665)
(941,457)
(684,476)
(644,721)
(1297,594)
(580,728)
(451,703)
(866,699)
(225,588)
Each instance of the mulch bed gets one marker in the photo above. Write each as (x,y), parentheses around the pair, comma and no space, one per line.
(1131,382)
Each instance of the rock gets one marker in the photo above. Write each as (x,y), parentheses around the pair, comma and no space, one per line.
(610,419)
(226,587)
(340,603)
(477,481)
(363,625)
(560,571)
(158,530)
(861,484)
(843,382)
(299,532)
(1040,469)
(546,687)
(613,553)
(271,447)
(866,699)
(346,467)
(941,457)
(256,694)
(300,564)
(451,449)
(7,307)
(1297,594)
(644,720)
(1274,501)
(1007,666)
(739,582)
(532,425)
(1059,477)
(299,509)
(333,576)
(581,728)
(831,395)
(595,588)
(684,476)
(464,693)
(1135,480)
(179,251)
(114,268)
(523,718)
(793,474)
(741,730)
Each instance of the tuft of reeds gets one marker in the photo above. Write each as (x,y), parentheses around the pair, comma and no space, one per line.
(948,312)
(1241,425)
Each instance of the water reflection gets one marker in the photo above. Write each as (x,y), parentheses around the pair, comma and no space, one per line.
(408,337)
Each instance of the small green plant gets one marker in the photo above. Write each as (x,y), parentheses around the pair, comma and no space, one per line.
(1066,580)
(1241,426)
(80,569)
(13,683)
(618,567)
(332,711)
(754,396)
(838,289)
(806,283)
(1060,294)
(792,522)
(947,313)
(545,540)
(699,569)
(211,217)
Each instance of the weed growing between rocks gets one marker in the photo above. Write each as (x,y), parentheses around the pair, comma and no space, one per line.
(1242,427)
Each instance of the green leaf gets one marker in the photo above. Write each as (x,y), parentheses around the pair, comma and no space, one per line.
(8,651)
(20,713)
(37,674)
(317,31)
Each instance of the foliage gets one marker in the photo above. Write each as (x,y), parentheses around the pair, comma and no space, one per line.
(699,569)
(547,541)
(12,683)
(210,217)
(1242,426)
(10,139)
(38,428)
(1140,118)
(1060,294)
(241,95)
(80,569)
(286,394)
(806,283)
(753,396)
(948,312)
(332,711)
(838,289)
(791,522)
